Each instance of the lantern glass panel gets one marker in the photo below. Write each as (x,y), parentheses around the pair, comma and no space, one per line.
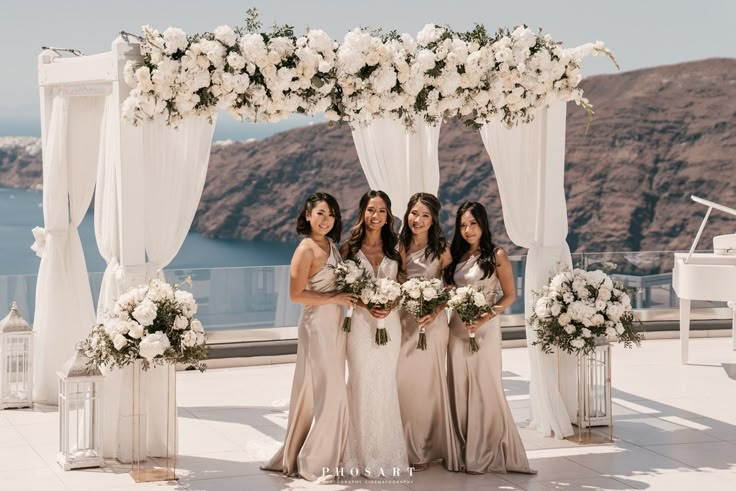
(16,364)
(81,425)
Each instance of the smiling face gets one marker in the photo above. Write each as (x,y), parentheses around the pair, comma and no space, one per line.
(420,219)
(321,219)
(376,214)
(470,230)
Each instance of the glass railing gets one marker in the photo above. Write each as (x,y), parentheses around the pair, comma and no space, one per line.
(248,298)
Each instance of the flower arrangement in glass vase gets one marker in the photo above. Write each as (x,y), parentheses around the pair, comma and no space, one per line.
(384,294)
(420,297)
(470,303)
(154,323)
(577,307)
(351,277)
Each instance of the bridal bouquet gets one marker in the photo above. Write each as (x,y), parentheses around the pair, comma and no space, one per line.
(351,277)
(421,296)
(578,306)
(469,303)
(153,322)
(384,294)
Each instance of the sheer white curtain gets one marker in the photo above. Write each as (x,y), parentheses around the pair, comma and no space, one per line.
(175,168)
(398,162)
(529,164)
(64,309)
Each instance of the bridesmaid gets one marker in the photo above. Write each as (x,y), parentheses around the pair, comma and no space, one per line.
(316,433)
(488,435)
(422,377)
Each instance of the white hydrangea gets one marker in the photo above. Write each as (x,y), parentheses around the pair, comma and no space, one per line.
(153,345)
(226,35)
(145,313)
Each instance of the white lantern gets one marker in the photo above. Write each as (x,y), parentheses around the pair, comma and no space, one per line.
(16,371)
(80,414)
(594,390)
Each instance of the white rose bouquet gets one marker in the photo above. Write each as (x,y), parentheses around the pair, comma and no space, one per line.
(153,322)
(384,294)
(351,277)
(420,297)
(470,303)
(578,306)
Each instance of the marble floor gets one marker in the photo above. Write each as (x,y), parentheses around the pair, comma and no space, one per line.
(675,429)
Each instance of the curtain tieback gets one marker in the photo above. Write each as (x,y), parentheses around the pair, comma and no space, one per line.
(41,236)
(39,244)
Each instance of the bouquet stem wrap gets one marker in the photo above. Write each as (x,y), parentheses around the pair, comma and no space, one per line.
(381,333)
(422,343)
(348,320)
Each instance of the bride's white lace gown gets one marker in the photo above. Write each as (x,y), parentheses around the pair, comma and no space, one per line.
(375,436)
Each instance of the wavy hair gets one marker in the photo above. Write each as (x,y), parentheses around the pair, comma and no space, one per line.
(436,242)
(302,225)
(460,246)
(388,236)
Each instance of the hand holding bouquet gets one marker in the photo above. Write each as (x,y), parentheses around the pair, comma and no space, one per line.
(470,304)
(421,297)
(384,294)
(351,277)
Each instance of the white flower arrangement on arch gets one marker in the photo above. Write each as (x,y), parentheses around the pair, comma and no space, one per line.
(268,76)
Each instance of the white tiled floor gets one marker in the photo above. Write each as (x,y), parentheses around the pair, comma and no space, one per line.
(675,430)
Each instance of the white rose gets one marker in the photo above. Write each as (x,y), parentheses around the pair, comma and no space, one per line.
(541,308)
(119,341)
(181,322)
(597,320)
(555,309)
(564,319)
(586,332)
(145,313)
(430,293)
(174,40)
(186,302)
(197,326)
(570,329)
(479,299)
(568,297)
(189,339)
(226,35)
(154,345)
(415,293)
(578,343)
(604,294)
(136,330)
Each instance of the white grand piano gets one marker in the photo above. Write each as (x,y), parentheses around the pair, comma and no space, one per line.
(706,276)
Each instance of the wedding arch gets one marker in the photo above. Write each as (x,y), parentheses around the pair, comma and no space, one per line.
(134,127)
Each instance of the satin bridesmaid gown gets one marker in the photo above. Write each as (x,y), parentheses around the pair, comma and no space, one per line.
(317,430)
(422,377)
(483,419)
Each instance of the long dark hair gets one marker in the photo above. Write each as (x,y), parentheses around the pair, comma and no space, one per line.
(436,242)
(459,246)
(302,225)
(388,236)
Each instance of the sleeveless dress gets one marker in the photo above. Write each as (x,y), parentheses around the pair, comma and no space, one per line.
(376,442)
(317,430)
(485,425)
(422,378)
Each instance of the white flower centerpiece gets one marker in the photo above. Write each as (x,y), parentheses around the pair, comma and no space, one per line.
(351,277)
(154,323)
(384,294)
(579,306)
(470,303)
(420,297)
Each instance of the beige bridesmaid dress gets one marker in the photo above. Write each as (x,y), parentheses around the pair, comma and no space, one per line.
(317,430)
(485,425)
(422,378)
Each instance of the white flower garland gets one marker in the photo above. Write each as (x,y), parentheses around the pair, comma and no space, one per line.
(266,77)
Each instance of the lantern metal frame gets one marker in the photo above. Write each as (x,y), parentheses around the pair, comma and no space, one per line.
(594,404)
(75,373)
(16,365)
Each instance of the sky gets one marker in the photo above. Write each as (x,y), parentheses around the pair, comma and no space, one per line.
(641,33)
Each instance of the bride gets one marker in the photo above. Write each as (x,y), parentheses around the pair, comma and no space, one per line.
(376,446)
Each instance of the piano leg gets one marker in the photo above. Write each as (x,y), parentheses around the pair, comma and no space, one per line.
(684,329)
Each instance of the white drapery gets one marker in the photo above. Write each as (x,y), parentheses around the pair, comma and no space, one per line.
(174,172)
(64,309)
(398,162)
(529,163)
